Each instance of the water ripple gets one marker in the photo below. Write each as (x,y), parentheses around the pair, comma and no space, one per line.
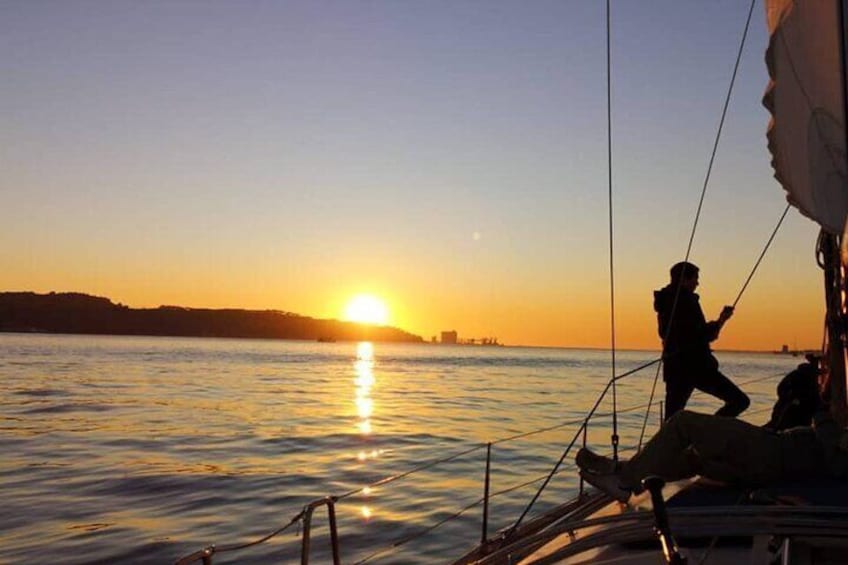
(145,449)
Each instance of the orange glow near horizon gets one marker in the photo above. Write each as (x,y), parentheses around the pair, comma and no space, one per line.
(247,191)
(779,307)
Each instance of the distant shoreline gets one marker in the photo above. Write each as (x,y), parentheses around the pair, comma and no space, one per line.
(422,343)
(77,313)
(82,314)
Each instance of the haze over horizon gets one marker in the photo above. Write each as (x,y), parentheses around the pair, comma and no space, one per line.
(448,158)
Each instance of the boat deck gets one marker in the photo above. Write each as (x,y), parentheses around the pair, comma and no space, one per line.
(711,522)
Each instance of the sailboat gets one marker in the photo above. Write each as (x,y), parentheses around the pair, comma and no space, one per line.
(695,520)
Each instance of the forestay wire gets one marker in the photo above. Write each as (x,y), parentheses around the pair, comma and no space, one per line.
(614,438)
(612,383)
(698,211)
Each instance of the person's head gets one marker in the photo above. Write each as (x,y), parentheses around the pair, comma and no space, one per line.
(685,274)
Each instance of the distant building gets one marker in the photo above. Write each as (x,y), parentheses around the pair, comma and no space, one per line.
(449,337)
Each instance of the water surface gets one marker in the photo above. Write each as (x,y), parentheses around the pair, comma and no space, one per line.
(149,448)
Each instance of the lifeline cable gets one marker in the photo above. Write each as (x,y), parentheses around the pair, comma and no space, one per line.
(589,415)
(565,453)
(701,201)
(212,550)
(406,539)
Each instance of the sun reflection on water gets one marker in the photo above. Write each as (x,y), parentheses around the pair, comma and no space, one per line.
(364,369)
(364,380)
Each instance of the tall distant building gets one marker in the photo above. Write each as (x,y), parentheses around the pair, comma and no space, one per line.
(449,337)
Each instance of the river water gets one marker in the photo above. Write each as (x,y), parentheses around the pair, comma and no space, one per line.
(143,449)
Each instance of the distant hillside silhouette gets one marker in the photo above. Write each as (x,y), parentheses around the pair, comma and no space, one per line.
(70,312)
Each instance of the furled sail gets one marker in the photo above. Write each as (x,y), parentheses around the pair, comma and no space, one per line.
(806,135)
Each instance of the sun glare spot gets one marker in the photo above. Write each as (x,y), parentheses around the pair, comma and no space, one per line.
(365,352)
(365,427)
(367,309)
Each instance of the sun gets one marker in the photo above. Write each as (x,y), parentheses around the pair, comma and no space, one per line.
(367,309)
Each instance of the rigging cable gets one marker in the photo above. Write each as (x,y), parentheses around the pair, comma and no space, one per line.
(701,203)
(611,246)
(760,258)
(565,453)
(735,302)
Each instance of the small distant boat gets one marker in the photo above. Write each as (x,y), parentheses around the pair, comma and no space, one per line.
(326,339)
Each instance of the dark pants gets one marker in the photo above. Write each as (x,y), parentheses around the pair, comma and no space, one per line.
(681,380)
(725,449)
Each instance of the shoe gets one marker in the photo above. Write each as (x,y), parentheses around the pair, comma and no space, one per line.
(590,462)
(610,484)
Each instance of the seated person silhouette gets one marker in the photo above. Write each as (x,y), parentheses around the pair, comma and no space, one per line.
(797,396)
(727,450)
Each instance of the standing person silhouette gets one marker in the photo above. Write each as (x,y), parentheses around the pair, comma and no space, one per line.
(688,361)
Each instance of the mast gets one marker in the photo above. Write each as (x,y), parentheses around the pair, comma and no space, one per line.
(834,283)
(835,265)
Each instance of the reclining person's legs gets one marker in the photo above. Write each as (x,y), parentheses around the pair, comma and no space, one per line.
(713,446)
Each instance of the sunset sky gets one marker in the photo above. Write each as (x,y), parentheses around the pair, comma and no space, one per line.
(448,157)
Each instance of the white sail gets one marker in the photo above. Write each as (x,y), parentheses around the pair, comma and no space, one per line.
(806,135)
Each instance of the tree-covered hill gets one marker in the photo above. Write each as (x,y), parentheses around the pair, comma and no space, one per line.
(69,312)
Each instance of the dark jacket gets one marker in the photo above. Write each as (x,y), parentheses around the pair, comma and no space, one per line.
(686,339)
(797,398)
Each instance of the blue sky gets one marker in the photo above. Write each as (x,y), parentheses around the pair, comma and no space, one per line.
(448,156)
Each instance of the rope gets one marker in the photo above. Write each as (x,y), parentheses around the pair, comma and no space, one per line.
(401,541)
(574,440)
(760,258)
(720,126)
(760,379)
(614,379)
(703,194)
(427,465)
(212,549)
(650,404)
(561,459)
(396,544)
(735,302)
(611,383)
(614,439)
(564,424)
